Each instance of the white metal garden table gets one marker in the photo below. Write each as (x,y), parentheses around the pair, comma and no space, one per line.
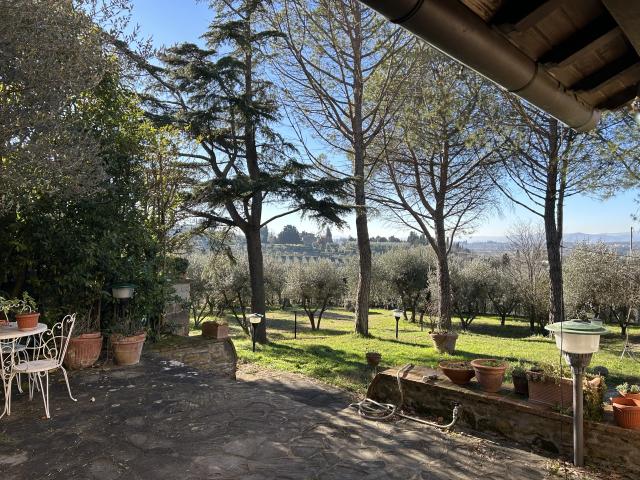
(9,346)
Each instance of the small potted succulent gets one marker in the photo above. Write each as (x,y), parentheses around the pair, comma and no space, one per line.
(629,391)
(489,373)
(458,372)
(24,309)
(519,378)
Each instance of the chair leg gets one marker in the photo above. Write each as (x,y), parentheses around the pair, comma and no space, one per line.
(8,394)
(66,379)
(32,386)
(45,394)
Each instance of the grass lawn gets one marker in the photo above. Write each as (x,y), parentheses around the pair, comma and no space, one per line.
(335,355)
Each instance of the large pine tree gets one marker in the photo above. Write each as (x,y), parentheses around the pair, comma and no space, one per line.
(220,96)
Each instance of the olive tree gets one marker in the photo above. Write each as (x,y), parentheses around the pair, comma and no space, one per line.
(315,285)
(51,55)
(406,276)
(501,288)
(468,288)
(599,281)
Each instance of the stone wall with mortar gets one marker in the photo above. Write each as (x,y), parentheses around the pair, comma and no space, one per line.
(215,356)
(506,414)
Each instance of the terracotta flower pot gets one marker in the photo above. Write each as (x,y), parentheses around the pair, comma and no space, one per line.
(444,342)
(215,330)
(83,351)
(27,321)
(489,376)
(633,396)
(373,358)
(459,373)
(521,385)
(626,412)
(127,350)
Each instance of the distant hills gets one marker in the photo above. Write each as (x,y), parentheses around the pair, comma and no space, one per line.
(568,238)
(498,242)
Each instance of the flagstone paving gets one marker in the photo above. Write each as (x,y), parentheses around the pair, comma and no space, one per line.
(163,420)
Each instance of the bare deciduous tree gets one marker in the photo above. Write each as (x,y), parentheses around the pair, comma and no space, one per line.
(528,269)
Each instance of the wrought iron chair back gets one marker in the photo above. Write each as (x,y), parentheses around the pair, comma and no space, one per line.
(52,343)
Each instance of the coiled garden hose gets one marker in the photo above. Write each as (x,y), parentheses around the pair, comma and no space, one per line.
(372,410)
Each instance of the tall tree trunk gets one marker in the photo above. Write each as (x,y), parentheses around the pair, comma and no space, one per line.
(444,289)
(256,275)
(364,264)
(554,198)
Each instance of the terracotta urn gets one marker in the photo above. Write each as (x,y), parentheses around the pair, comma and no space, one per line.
(127,350)
(83,351)
(459,373)
(489,373)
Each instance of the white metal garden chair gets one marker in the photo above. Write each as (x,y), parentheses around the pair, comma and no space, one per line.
(16,350)
(46,354)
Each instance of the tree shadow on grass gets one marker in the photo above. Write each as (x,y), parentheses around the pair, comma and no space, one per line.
(324,362)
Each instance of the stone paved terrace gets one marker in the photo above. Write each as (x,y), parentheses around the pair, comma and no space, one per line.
(160,420)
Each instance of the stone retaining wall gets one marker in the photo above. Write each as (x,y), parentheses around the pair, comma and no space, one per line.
(505,413)
(210,355)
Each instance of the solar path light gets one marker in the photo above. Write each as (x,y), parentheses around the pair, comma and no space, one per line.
(397,313)
(254,319)
(578,340)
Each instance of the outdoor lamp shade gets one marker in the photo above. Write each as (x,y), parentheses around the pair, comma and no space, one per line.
(122,290)
(255,318)
(577,336)
(397,313)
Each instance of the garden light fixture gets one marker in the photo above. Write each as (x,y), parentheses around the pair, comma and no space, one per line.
(578,340)
(122,291)
(254,319)
(397,313)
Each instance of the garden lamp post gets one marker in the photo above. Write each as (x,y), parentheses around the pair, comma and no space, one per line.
(578,340)
(397,313)
(254,319)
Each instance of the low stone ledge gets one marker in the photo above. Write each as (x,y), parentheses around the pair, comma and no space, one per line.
(512,417)
(210,355)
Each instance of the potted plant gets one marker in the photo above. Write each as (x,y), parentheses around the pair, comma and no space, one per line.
(25,311)
(546,387)
(519,378)
(443,339)
(5,308)
(458,372)
(626,412)
(373,358)
(217,329)
(86,345)
(489,373)
(127,338)
(629,391)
